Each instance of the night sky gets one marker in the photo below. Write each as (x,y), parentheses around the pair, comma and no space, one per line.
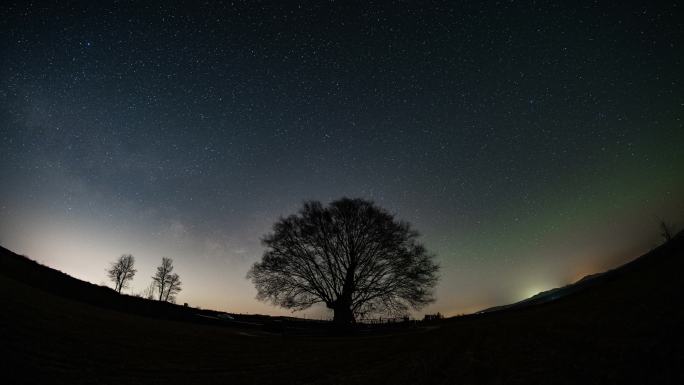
(530,143)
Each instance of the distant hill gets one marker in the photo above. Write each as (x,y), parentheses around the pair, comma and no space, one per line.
(551,294)
(584,283)
(32,273)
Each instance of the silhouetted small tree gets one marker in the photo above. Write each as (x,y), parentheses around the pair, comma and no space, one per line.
(166,283)
(172,288)
(666,230)
(352,255)
(149,292)
(122,272)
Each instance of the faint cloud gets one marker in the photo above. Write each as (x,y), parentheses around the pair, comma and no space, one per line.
(230,250)
(177,229)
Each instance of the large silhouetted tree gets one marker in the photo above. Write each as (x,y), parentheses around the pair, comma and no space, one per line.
(352,255)
(167,283)
(122,271)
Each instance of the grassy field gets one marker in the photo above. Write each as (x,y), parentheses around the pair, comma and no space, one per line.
(626,328)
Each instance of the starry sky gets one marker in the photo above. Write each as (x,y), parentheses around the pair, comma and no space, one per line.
(531,143)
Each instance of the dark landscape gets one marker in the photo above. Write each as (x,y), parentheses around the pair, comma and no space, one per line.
(625,327)
(341,192)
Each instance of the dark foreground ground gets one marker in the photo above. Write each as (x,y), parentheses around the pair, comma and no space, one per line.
(625,328)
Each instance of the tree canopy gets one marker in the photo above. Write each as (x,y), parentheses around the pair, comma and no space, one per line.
(352,255)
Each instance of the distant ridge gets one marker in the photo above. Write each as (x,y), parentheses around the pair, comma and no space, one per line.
(32,273)
(585,282)
(549,295)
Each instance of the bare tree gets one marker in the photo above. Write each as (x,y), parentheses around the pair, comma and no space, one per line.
(666,230)
(351,255)
(161,277)
(122,271)
(165,282)
(150,290)
(173,287)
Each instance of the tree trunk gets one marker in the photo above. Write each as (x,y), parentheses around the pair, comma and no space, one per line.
(342,314)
